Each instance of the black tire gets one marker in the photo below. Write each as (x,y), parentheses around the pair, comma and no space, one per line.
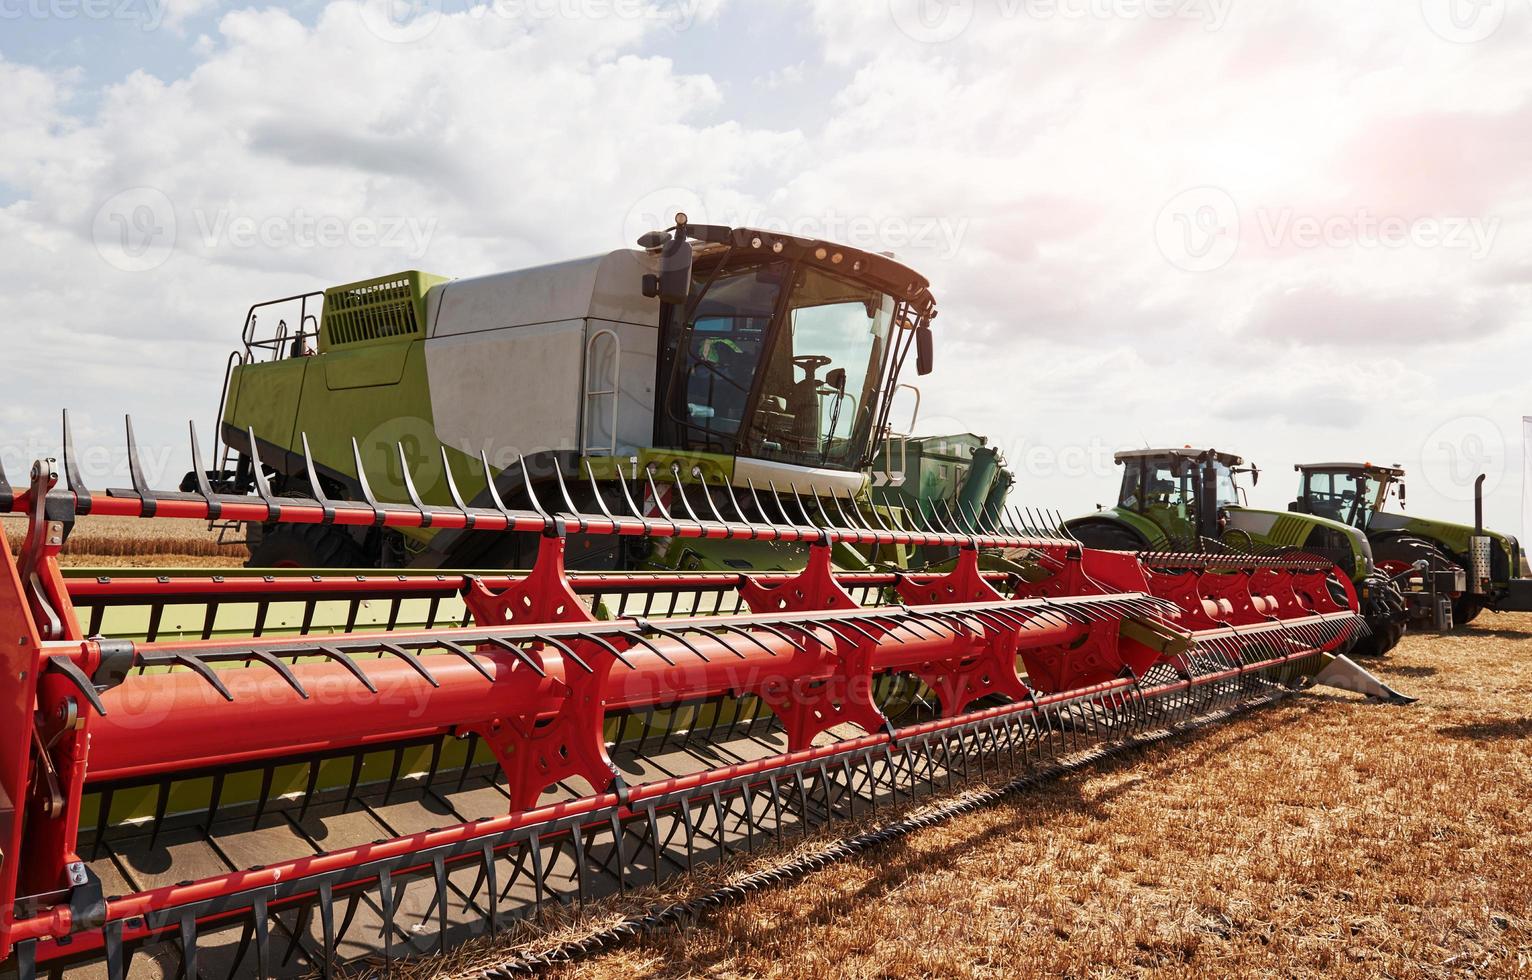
(1386,616)
(303,546)
(1106,536)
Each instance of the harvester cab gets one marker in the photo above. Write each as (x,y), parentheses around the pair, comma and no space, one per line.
(1189,500)
(747,364)
(1451,572)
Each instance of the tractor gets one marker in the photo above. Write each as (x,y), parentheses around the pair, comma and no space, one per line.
(1483,563)
(746,365)
(1188,500)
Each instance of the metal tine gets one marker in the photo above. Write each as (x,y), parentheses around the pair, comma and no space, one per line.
(768,627)
(633,508)
(566,650)
(675,475)
(469,519)
(258,470)
(520,654)
(855,525)
(707,494)
(350,665)
(275,664)
(595,489)
(606,645)
(760,507)
(776,496)
(136,471)
(409,487)
(740,630)
(526,479)
(362,481)
(313,481)
(72,477)
(409,658)
(205,672)
(494,491)
(188,938)
(659,502)
(975,525)
(457,651)
(572,510)
(807,520)
(646,624)
(638,638)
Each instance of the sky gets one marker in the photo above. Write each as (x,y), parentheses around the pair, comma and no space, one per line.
(1294,230)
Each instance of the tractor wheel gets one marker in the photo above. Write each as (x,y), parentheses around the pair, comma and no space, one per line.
(1395,554)
(1386,617)
(302,546)
(1105,536)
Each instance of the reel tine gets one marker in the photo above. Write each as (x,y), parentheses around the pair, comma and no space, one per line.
(519,654)
(314,484)
(265,657)
(136,471)
(351,666)
(205,672)
(469,519)
(633,508)
(73,479)
(409,486)
(595,490)
(379,515)
(412,660)
(566,650)
(675,476)
(608,646)
(494,491)
(797,499)
(573,512)
(258,470)
(707,494)
(776,497)
(659,501)
(466,656)
(526,479)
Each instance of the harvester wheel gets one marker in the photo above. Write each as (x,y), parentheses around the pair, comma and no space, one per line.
(302,546)
(1386,617)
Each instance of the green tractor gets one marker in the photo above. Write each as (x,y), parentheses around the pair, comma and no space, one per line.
(1189,500)
(957,480)
(1481,565)
(761,365)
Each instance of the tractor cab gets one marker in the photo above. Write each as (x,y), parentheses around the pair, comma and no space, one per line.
(1185,493)
(1351,493)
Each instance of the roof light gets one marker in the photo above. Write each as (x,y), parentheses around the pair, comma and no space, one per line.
(756,242)
(836,258)
(820,253)
(776,247)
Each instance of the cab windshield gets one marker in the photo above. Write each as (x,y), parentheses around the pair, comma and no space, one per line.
(1350,497)
(779,362)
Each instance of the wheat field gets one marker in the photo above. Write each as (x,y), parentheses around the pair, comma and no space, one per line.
(128,542)
(1322,836)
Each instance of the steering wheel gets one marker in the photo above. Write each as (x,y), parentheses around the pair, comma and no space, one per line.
(811,363)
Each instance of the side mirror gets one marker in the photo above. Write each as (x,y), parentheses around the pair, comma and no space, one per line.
(1255,475)
(924,351)
(675,271)
(1401,495)
(837,379)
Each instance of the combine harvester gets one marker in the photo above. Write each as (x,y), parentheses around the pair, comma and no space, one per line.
(257,773)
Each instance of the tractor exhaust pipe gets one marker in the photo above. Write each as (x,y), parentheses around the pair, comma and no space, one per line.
(1478,505)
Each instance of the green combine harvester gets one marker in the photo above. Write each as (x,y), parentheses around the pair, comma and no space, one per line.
(760,365)
(1188,500)
(1464,568)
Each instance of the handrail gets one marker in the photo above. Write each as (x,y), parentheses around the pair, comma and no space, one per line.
(591,393)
